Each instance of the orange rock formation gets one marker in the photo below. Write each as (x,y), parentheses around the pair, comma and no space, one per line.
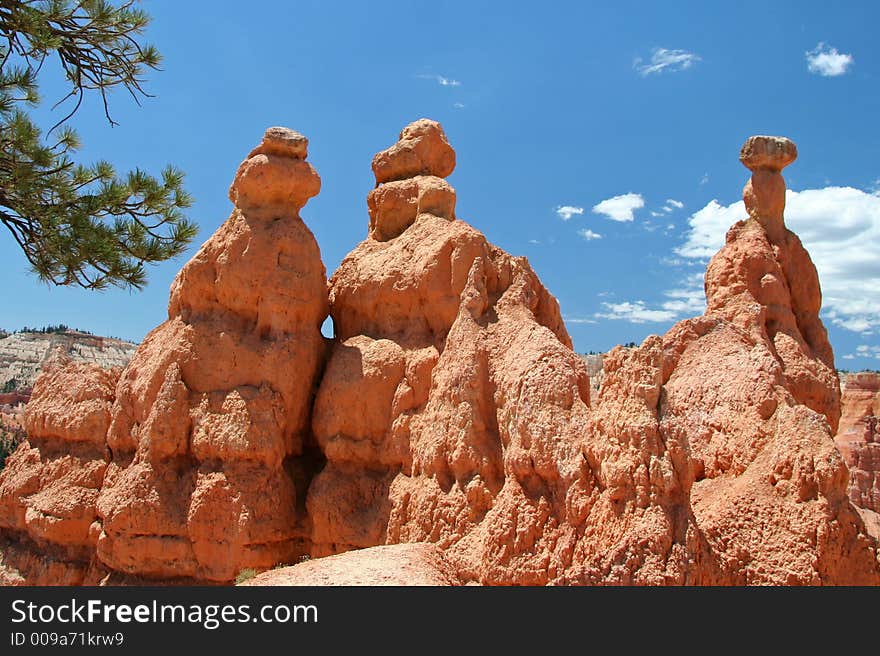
(210,431)
(50,485)
(858,438)
(452,410)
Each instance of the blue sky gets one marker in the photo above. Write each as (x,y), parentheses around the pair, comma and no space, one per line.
(600,140)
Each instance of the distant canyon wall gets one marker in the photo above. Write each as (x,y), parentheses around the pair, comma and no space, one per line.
(24,354)
(858,437)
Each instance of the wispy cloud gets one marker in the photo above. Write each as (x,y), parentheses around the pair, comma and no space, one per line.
(664,60)
(827,61)
(668,208)
(441,80)
(868,351)
(635,312)
(588,234)
(685,300)
(458,105)
(704,179)
(620,208)
(688,298)
(839,226)
(578,320)
(565,212)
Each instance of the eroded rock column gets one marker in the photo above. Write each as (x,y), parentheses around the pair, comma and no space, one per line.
(49,486)
(210,428)
(765,282)
(450,406)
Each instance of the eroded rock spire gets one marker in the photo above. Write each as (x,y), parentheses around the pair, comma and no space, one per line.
(764,193)
(211,418)
(409,180)
(452,410)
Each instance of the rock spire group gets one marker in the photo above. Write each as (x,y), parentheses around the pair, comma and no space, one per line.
(447,433)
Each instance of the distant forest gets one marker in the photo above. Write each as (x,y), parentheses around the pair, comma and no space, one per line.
(44,330)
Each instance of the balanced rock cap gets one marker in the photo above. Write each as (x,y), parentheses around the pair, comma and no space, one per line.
(275,173)
(282,142)
(421,149)
(770,153)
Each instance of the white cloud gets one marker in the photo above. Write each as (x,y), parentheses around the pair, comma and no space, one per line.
(441,80)
(534,241)
(866,351)
(458,105)
(686,300)
(589,235)
(565,212)
(827,62)
(578,320)
(620,208)
(669,207)
(689,298)
(839,226)
(665,61)
(704,179)
(636,312)
(708,227)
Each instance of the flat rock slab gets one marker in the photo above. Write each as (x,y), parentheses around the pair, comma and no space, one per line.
(396,564)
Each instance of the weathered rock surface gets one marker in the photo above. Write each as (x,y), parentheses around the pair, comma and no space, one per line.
(595,370)
(210,426)
(449,410)
(453,411)
(420,150)
(416,564)
(49,486)
(858,437)
(24,354)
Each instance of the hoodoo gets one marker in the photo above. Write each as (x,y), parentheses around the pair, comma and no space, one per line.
(452,410)
(210,426)
(449,430)
(452,402)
